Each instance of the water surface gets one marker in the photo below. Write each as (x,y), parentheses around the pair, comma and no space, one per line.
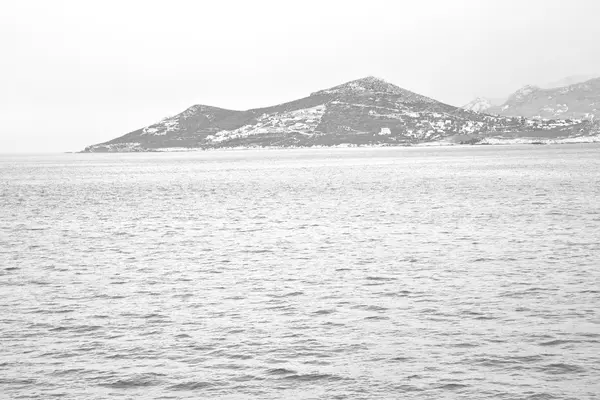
(413,273)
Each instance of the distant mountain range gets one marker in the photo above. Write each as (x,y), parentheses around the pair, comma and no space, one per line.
(572,97)
(367,111)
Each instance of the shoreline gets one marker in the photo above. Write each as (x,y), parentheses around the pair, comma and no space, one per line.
(483,142)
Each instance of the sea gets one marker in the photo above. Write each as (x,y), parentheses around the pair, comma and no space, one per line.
(468,272)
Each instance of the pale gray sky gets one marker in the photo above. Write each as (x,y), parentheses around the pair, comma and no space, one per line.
(75,73)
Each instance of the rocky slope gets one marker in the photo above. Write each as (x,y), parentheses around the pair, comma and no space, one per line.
(579,101)
(572,97)
(366,111)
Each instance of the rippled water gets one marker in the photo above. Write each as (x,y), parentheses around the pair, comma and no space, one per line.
(325,274)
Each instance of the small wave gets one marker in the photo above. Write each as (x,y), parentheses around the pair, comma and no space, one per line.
(129,383)
(466,345)
(377,317)
(17,381)
(541,289)
(37,282)
(402,359)
(154,316)
(408,388)
(541,396)
(67,371)
(589,334)
(493,361)
(190,386)
(452,386)
(280,371)
(247,378)
(313,377)
(330,323)
(87,328)
(380,278)
(532,359)
(558,342)
(369,308)
(324,312)
(375,308)
(235,298)
(240,356)
(561,368)
(150,333)
(112,297)
(57,354)
(401,293)
(292,294)
(316,362)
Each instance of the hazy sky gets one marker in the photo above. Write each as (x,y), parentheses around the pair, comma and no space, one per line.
(75,73)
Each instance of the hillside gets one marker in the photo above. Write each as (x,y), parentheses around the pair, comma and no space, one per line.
(580,100)
(484,104)
(367,111)
(576,101)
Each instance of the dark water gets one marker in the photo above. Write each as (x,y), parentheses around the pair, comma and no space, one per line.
(327,274)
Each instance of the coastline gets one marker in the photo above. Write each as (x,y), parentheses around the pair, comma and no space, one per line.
(488,141)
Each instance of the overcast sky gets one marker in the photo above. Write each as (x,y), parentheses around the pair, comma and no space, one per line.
(75,73)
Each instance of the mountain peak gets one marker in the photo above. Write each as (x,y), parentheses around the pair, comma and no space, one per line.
(479,104)
(366,84)
(371,80)
(523,93)
(373,85)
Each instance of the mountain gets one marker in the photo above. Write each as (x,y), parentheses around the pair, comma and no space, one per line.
(579,100)
(478,105)
(482,104)
(485,104)
(367,111)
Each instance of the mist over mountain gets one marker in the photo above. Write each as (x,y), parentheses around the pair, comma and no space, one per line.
(569,80)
